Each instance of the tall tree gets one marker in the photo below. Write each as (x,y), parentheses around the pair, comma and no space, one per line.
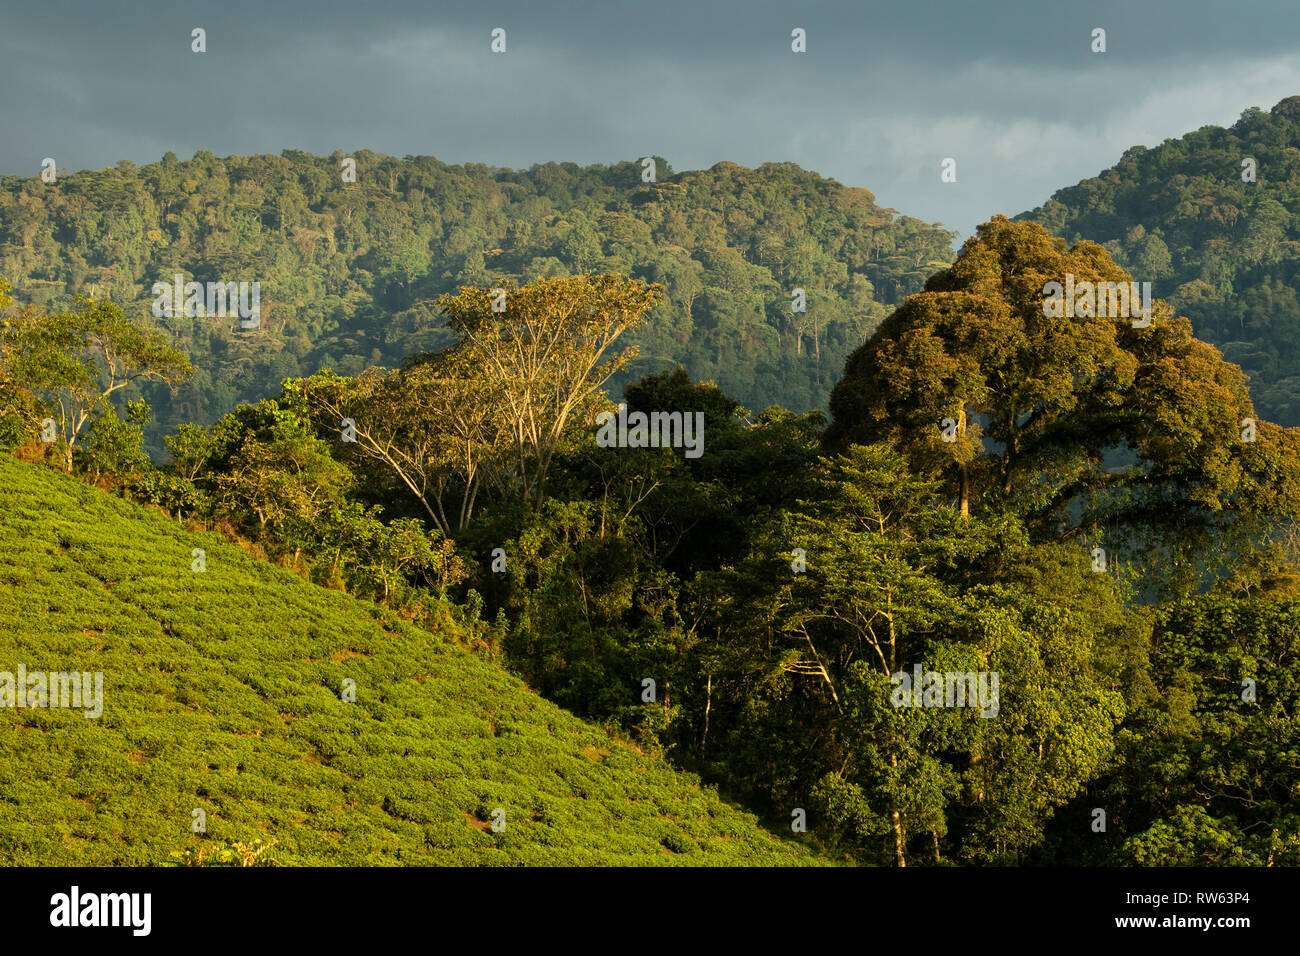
(74,360)
(430,426)
(1078,421)
(547,352)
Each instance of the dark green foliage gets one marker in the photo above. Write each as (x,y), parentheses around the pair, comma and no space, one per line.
(1211,760)
(595,579)
(20,415)
(802,663)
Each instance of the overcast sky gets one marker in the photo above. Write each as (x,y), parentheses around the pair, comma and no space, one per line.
(1011,90)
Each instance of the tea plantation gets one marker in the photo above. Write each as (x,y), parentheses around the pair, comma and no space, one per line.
(223,693)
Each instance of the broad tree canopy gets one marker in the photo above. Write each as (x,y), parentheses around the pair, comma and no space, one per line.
(1075,422)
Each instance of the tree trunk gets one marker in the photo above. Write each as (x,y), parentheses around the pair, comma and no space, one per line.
(898,838)
(896,819)
(1012,448)
(708,704)
(965,475)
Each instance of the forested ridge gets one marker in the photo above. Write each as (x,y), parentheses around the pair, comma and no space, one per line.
(349,271)
(1212,220)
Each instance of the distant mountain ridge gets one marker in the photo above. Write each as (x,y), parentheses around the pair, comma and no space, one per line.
(1213,221)
(348,271)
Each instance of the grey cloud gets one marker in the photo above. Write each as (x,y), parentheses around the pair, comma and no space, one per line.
(885,92)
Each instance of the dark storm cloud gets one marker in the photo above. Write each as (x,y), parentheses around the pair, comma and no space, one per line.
(885,92)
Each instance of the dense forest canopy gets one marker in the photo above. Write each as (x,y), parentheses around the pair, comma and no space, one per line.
(749,613)
(1213,221)
(350,271)
(1089,515)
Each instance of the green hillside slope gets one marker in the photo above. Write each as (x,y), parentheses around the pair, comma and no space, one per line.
(222,692)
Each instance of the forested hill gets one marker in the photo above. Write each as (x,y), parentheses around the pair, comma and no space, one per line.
(348,271)
(1224,251)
